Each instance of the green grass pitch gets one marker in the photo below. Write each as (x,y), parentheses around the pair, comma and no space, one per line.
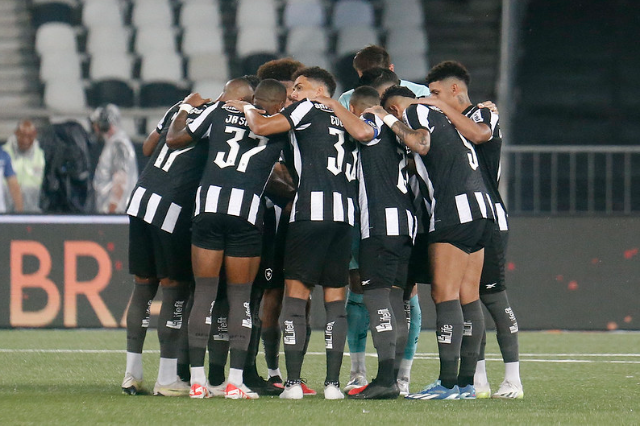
(73,377)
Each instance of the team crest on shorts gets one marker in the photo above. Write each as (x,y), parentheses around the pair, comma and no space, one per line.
(268,274)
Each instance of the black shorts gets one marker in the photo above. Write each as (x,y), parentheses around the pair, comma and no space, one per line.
(419,261)
(154,253)
(232,234)
(384,261)
(492,279)
(469,237)
(270,274)
(318,253)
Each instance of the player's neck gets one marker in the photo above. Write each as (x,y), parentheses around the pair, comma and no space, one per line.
(462,102)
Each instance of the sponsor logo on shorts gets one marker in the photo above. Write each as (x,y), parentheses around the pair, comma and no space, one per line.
(289,333)
(365,282)
(490,286)
(444,336)
(268,274)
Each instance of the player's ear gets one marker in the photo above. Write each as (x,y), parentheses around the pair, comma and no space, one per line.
(352,109)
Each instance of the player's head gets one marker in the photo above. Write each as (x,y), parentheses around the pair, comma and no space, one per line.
(106,119)
(253,80)
(281,70)
(25,135)
(270,95)
(312,82)
(396,99)
(237,89)
(362,98)
(448,81)
(371,57)
(379,78)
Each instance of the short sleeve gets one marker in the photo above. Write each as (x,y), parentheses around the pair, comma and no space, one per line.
(166,119)
(298,113)
(199,127)
(8,166)
(376,123)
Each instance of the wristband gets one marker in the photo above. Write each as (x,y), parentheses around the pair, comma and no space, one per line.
(186,108)
(389,120)
(248,108)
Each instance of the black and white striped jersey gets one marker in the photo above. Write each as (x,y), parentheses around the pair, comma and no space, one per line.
(384,199)
(165,190)
(450,179)
(489,159)
(238,166)
(324,164)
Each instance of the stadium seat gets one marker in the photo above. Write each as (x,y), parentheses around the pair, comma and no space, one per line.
(52,11)
(209,88)
(57,65)
(256,39)
(411,67)
(406,40)
(347,13)
(106,38)
(111,92)
(155,40)
(199,13)
(107,65)
(303,13)
(310,39)
(251,63)
(65,95)
(160,94)
(153,13)
(208,66)
(164,67)
(354,38)
(55,37)
(261,13)
(312,59)
(198,39)
(402,13)
(102,12)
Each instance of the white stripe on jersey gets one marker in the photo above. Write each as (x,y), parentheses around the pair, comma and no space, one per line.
(253,210)
(411,224)
(493,212)
(134,206)
(338,208)
(502,217)
(211,202)
(193,126)
(197,211)
(464,209)
(173,156)
(432,218)
(152,207)
(301,110)
(235,201)
(351,212)
(171,218)
(317,205)
(278,212)
(391,218)
(363,200)
(297,164)
(481,204)
(424,175)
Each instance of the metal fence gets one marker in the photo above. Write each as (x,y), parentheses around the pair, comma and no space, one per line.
(572,180)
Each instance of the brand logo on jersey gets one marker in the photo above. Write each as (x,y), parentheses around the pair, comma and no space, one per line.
(322,107)
(268,274)
(490,286)
(289,333)
(385,321)
(446,331)
(468,328)
(246,322)
(328,335)
(477,116)
(229,108)
(365,282)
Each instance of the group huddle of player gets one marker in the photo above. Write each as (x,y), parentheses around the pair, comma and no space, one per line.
(251,200)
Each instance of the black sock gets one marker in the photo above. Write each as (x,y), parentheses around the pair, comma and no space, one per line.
(402,328)
(471,340)
(449,324)
(271,340)
(293,332)
(200,319)
(386,374)
(239,296)
(172,319)
(506,324)
(335,336)
(383,328)
(216,374)
(256,329)
(138,315)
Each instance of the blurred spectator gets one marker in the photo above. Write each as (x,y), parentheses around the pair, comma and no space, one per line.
(27,159)
(117,171)
(6,170)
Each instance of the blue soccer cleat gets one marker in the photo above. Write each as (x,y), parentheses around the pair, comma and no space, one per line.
(467,392)
(436,391)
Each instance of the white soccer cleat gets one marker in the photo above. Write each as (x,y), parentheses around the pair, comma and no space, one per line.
(292,390)
(403,385)
(509,390)
(332,391)
(239,392)
(177,388)
(357,381)
(218,390)
(199,391)
(131,385)
(483,390)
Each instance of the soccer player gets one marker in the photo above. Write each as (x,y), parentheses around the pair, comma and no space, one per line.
(319,236)
(449,83)
(159,212)
(459,224)
(227,226)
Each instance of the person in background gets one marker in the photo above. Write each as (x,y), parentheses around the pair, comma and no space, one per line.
(6,170)
(27,159)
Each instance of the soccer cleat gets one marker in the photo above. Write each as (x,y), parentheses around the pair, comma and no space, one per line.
(357,381)
(467,392)
(262,386)
(239,392)
(332,390)
(177,388)
(483,391)
(217,390)
(306,389)
(436,391)
(374,390)
(292,390)
(199,391)
(509,390)
(403,386)
(131,385)
(276,381)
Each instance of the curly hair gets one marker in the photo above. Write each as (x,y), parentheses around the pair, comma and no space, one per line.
(448,69)
(280,69)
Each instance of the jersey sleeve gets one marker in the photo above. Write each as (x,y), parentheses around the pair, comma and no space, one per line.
(485,116)
(166,119)
(8,167)
(298,113)
(199,127)
(376,123)
(417,117)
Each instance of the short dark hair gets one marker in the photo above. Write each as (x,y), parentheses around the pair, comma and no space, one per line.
(371,57)
(396,91)
(376,77)
(320,75)
(253,80)
(365,96)
(271,90)
(280,69)
(448,69)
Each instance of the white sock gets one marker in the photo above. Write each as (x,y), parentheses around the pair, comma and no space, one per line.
(273,373)
(512,372)
(168,371)
(134,365)
(357,363)
(235,376)
(405,369)
(481,373)
(198,376)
